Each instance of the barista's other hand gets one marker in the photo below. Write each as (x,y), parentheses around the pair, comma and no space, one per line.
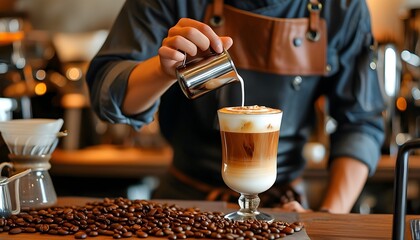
(294,206)
(190,37)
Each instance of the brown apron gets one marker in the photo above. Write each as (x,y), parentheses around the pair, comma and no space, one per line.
(273,45)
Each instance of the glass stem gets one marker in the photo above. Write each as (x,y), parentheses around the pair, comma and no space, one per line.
(249,204)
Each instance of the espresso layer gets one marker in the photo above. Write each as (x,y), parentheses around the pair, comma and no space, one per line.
(249,160)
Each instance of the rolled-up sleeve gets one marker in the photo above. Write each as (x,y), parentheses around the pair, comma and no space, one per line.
(109,91)
(355,97)
(129,42)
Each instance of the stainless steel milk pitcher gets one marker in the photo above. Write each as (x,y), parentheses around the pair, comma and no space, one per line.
(6,208)
(204,74)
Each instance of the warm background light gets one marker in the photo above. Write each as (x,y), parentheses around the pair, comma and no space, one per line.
(40,89)
(401,104)
(387,25)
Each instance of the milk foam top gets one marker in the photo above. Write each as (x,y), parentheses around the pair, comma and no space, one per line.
(250,119)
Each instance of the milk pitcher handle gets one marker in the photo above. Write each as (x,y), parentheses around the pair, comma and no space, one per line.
(16,178)
(5,164)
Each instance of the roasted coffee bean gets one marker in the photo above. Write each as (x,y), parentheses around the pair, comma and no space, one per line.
(81,216)
(172,236)
(108,233)
(198,235)
(20,222)
(67,224)
(30,230)
(160,233)
(15,230)
(152,212)
(298,224)
(141,234)
(238,231)
(189,233)
(206,232)
(67,211)
(93,233)
(296,228)
(43,228)
(178,229)
(181,236)
(249,234)
(80,235)
(116,226)
(63,232)
(58,220)
(215,235)
(168,232)
(288,230)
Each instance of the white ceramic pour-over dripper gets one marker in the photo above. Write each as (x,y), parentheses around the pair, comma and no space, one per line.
(32,126)
(31,136)
(26,144)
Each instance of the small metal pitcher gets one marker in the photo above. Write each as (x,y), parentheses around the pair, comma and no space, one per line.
(204,74)
(6,208)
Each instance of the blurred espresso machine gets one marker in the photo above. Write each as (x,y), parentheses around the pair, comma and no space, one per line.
(13,82)
(27,63)
(408,103)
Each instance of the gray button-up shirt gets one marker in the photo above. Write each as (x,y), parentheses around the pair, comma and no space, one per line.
(190,126)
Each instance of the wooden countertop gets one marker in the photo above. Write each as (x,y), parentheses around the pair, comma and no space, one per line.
(317,225)
(111,160)
(384,171)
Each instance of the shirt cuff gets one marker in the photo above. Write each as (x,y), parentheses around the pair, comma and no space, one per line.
(359,146)
(112,93)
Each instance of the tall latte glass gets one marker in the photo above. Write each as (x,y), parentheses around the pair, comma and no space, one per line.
(250,138)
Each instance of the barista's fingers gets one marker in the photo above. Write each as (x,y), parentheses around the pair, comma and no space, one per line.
(170,59)
(227,42)
(171,54)
(191,34)
(200,34)
(294,206)
(180,44)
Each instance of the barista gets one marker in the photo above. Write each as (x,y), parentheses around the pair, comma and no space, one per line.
(280,50)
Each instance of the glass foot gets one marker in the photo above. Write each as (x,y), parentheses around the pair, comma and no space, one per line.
(240,216)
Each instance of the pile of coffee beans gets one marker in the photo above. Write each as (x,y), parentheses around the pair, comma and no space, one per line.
(124,218)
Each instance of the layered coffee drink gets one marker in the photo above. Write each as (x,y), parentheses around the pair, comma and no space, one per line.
(250,136)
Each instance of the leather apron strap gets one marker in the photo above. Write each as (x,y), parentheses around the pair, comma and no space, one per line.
(273,45)
(314,8)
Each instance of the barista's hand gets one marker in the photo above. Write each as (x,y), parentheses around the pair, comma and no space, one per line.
(191,37)
(294,206)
